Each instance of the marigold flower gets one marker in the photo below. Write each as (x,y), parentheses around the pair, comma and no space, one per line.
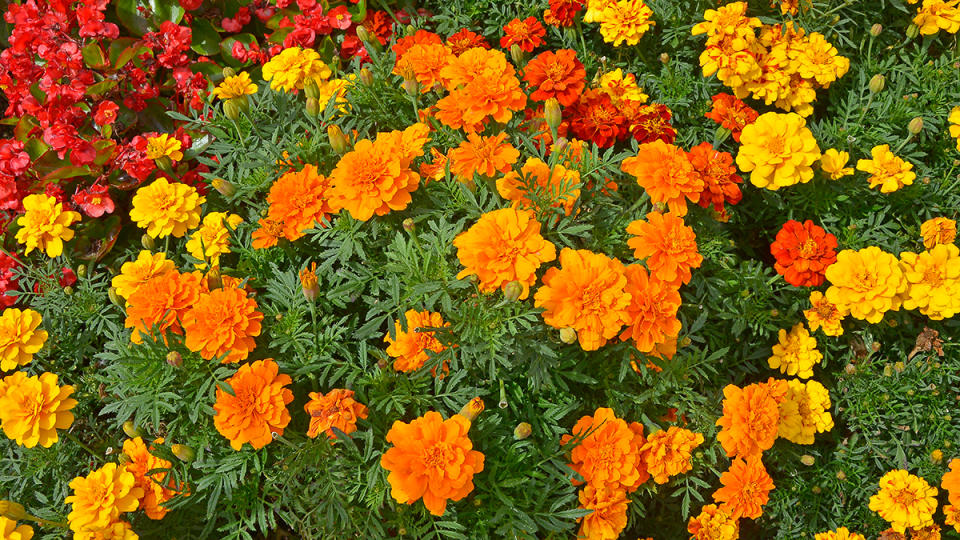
(465,40)
(825,315)
(951,482)
(20,338)
(939,230)
(587,293)
(803,253)
(867,282)
(746,488)
(796,353)
(235,86)
(668,245)
(834,163)
(269,232)
(751,416)
(504,246)
(482,86)
(648,122)
(625,21)
(905,500)
(816,59)
(729,19)
(805,412)
(952,513)
(99,498)
(45,224)
(410,348)
(299,200)
(719,176)
(713,523)
(596,119)
(778,151)
(666,174)
(887,170)
(157,488)
(163,208)
(135,273)
(223,321)
(164,145)
(840,534)
(9,530)
(420,37)
(431,458)
(481,155)
(610,453)
(667,453)
(556,75)
(294,68)
(930,532)
(161,301)
(933,281)
(528,34)
(731,113)
(32,409)
(423,63)
(559,186)
(117,530)
(212,239)
(954,124)
(622,87)
(936,15)
(335,409)
(652,312)
(257,408)
(609,516)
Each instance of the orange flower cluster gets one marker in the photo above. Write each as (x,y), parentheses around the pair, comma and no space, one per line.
(297,200)
(803,253)
(409,348)
(667,453)
(482,86)
(335,409)
(615,109)
(652,313)
(256,409)
(482,155)
(719,176)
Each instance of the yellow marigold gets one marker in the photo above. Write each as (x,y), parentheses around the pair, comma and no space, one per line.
(294,68)
(164,145)
(668,245)
(867,282)
(161,302)
(622,87)
(840,534)
(557,186)
(334,89)
(751,417)
(746,488)
(666,174)
(257,408)
(163,208)
(118,530)
(410,348)
(9,530)
(834,163)
(814,58)
(595,10)
(235,86)
(713,523)
(933,281)
(667,453)
(727,20)
(887,170)
(954,121)
(939,230)
(796,354)
(135,273)
(609,515)
(20,338)
(825,315)
(335,409)
(212,239)
(222,322)
(32,409)
(45,224)
(587,293)
(625,21)
(157,489)
(805,412)
(778,151)
(503,246)
(431,458)
(936,15)
(608,451)
(905,500)
(99,498)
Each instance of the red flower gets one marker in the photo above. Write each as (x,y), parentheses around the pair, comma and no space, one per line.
(339,17)
(379,24)
(556,75)
(731,113)
(173,42)
(594,118)
(8,280)
(14,160)
(803,253)
(648,123)
(191,5)
(238,21)
(719,175)
(465,40)
(94,201)
(55,191)
(562,12)
(528,34)
(106,113)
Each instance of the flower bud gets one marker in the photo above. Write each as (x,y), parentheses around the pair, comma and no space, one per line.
(147,242)
(164,164)
(363,34)
(313,106)
(915,126)
(228,72)
(122,458)
(114,297)
(685,342)
(887,370)
(231,109)
(68,290)
(899,367)
(816,490)
(552,114)
(512,291)
(183,452)
(309,283)
(841,475)
(338,141)
(516,53)
(522,431)
(409,30)
(214,281)
(366,77)
(876,29)
(13,511)
(877,83)
(411,87)
(850,369)
(175,359)
(807,460)
(936,456)
(664,58)
(568,335)
(409,225)
(473,408)
(132,430)
(224,187)
(311,90)
(912,31)
(82,270)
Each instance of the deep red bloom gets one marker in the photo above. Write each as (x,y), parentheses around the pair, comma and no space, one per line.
(731,113)
(594,118)
(465,40)
(106,113)
(191,5)
(379,24)
(55,191)
(172,42)
(238,21)
(94,201)
(562,12)
(648,123)
(719,175)
(803,253)
(8,281)
(528,34)
(14,160)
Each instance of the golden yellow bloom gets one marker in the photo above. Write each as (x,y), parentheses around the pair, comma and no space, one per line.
(840,534)
(796,354)
(953,516)
(905,500)
(778,150)
(620,86)
(19,337)
(933,279)
(135,273)
(867,282)
(212,239)
(625,21)
(887,170)
(236,86)
(824,314)
(805,412)
(9,530)
(939,230)
(294,68)
(118,530)
(954,120)
(334,88)
(32,409)
(45,224)
(936,15)
(834,163)
(164,145)
(595,10)
(163,208)
(814,58)
(100,497)
(728,20)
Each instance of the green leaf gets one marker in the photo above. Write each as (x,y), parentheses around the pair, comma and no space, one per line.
(167,10)
(68,171)
(130,17)
(101,87)
(206,39)
(358,12)
(93,55)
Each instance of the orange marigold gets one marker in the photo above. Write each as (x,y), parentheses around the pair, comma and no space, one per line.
(803,253)
(652,312)
(436,169)
(410,348)
(558,186)
(746,488)
(939,230)
(751,417)
(269,231)
(609,516)
(223,322)
(528,34)
(335,409)
(156,488)
(464,40)
(162,301)
(719,176)
(481,155)
(420,37)
(556,75)
(298,199)
(731,113)
(482,85)
(668,245)
(587,293)
(666,174)
(713,523)
(667,453)
(824,314)
(423,62)
(431,458)
(257,407)
(608,451)
(951,482)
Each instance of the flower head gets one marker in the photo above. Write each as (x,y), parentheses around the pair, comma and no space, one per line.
(299,200)
(803,253)
(99,498)
(652,312)
(719,175)
(905,500)
(294,68)
(410,348)
(45,224)
(162,302)
(257,407)
(212,239)
(751,416)
(482,155)
(840,534)
(608,451)
(824,314)
(20,338)
(668,245)
(609,516)
(32,409)
(667,453)
(164,145)
(423,63)
(556,75)
(157,488)
(595,118)
(95,201)
(648,122)
(805,412)
(834,163)
(939,230)
(622,87)
(867,282)
(778,151)
(135,273)
(235,86)
(482,86)
(625,21)
(528,34)
(557,185)
(713,523)
(746,488)
(887,170)
(222,322)
(796,353)
(666,174)
(335,409)
(933,281)
(731,113)
(163,208)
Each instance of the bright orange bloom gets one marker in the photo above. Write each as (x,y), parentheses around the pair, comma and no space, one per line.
(423,63)
(609,516)
(223,322)
(298,200)
(713,523)
(268,233)
(431,458)
(410,348)
(435,170)
(610,455)
(803,253)
(257,409)
(666,174)
(652,313)
(667,453)
(731,113)
(156,489)
(162,301)
(420,37)
(719,176)
(751,417)
(504,246)
(562,12)
(556,75)
(335,409)
(951,482)
(952,513)
(482,85)
(481,155)
(746,488)
(668,245)
(465,40)
(558,186)
(528,34)
(587,293)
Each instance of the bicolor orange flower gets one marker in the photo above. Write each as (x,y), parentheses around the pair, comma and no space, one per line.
(625,21)
(528,34)
(648,122)
(482,155)
(731,113)
(335,409)
(298,200)
(746,488)
(596,119)
(824,314)
(257,407)
(409,348)
(587,293)
(162,301)
(32,409)
(135,273)
(556,75)
(20,337)
(608,451)
(667,453)
(99,498)
(558,186)
(905,500)
(465,40)
(222,322)
(803,253)
(665,173)
(609,516)
(431,458)
(652,312)
(751,417)
(713,523)
(668,245)
(562,12)
(939,230)
(157,489)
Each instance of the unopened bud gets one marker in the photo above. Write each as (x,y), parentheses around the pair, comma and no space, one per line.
(807,460)
(473,408)
(409,225)
(366,77)
(122,458)
(568,335)
(214,280)
(512,291)
(13,511)
(552,114)
(877,83)
(841,475)
(516,53)
(228,72)
(685,342)
(309,283)
(132,430)
(114,297)
(899,367)
(887,370)
(664,58)
(183,452)
(912,31)
(915,126)
(224,187)
(409,30)
(311,90)
(82,270)
(147,242)
(313,106)
(816,490)
(68,290)
(175,359)
(522,431)
(231,109)
(363,34)
(876,29)
(338,141)
(411,87)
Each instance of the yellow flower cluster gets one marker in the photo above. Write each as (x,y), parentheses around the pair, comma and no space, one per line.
(295,68)
(805,412)
(905,500)
(778,150)
(867,283)
(45,224)
(796,353)
(887,170)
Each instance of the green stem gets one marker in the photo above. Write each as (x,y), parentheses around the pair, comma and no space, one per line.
(89,450)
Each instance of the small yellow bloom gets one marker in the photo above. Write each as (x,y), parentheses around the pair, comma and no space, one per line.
(164,145)
(99,498)
(45,224)
(796,353)
(805,412)
(212,239)
(954,120)
(163,208)
(824,315)
(834,163)
(939,230)
(236,86)
(32,409)
(294,68)
(842,533)
(133,274)
(887,170)
(905,500)
(19,337)
(620,86)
